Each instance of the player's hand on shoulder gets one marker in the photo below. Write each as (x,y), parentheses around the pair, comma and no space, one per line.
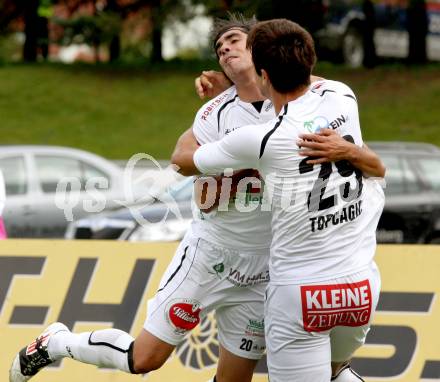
(211,83)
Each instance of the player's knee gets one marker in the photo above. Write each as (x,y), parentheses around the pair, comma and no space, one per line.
(146,362)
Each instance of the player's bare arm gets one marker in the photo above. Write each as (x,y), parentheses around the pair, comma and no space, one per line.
(329,146)
(183,158)
(183,153)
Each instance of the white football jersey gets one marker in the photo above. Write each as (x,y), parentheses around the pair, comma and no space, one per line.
(324,217)
(239,224)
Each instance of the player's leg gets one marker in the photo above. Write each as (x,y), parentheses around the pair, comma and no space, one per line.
(106,348)
(240,335)
(305,360)
(293,354)
(113,348)
(174,311)
(163,329)
(240,321)
(232,368)
(345,340)
(150,352)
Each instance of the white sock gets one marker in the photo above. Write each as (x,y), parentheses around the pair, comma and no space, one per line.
(105,348)
(347,374)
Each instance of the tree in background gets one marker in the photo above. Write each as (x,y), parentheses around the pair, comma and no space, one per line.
(30,13)
(220,8)
(10,11)
(370,58)
(115,40)
(417,25)
(85,22)
(307,13)
(34,15)
(94,22)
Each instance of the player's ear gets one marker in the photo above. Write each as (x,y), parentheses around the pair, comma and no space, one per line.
(264,76)
(265,81)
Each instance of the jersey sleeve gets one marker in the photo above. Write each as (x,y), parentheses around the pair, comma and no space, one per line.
(353,128)
(204,129)
(205,125)
(239,149)
(350,104)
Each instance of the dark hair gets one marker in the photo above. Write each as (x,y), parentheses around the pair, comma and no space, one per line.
(234,21)
(285,50)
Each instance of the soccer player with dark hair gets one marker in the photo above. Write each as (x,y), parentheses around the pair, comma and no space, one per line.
(220,265)
(324,284)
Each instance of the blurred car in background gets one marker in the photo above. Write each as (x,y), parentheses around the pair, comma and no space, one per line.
(32,174)
(156,221)
(412,205)
(341,37)
(411,213)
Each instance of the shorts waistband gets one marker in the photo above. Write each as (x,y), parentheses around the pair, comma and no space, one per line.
(197,240)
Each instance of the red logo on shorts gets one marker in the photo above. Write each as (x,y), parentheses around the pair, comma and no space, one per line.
(327,306)
(185,316)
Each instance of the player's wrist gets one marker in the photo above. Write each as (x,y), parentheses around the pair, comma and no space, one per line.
(352,153)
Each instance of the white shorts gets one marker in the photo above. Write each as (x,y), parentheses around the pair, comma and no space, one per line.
(308,326)
(202,278)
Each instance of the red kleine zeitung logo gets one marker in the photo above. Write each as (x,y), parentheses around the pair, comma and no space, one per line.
(184,314)
(327,306)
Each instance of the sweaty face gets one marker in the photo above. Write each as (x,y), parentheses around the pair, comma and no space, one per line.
(233,56)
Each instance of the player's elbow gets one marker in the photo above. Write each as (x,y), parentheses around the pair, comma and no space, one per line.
(183,164)
(382,170)
(176,159)
(379,170)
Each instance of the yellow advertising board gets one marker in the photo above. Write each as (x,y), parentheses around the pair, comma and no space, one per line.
(91,285)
